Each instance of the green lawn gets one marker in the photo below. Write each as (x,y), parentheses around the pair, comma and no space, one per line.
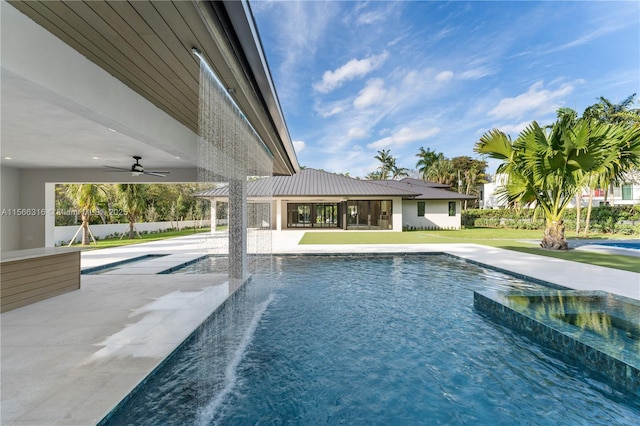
(510,239)
(117,242)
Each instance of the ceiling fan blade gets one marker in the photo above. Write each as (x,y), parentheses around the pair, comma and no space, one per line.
(116,169)
(158,174)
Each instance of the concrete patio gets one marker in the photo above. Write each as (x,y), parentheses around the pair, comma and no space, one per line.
(70,359)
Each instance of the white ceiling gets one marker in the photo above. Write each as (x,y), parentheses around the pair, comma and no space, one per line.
(42,130)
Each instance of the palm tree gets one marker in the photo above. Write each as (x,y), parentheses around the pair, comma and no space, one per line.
(472,176)
(426,160)
(608,112)
(442,171)
(134,203)
(387,161)
(375,175)
(86,198)
(546,166)
(396,171)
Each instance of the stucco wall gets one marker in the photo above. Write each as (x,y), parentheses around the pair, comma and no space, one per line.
(65,233)
(436,215)
(9,204)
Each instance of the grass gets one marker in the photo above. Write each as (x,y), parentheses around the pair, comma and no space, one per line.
(525,241)
(145,238)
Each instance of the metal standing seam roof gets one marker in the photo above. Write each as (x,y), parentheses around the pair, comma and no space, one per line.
(412,181)
(315,183)
(428,190)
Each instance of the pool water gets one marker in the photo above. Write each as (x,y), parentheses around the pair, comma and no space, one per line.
(369,340)
(634,245)
(119,264)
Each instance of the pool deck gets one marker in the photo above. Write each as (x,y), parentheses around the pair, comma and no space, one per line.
(70,359)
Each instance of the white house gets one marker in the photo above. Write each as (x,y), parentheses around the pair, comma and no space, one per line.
(627,193)
(315,199)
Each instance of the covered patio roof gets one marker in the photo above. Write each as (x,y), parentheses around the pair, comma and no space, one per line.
(146,45)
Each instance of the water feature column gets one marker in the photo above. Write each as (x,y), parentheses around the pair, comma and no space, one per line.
(237,228)
(214,214)
(231,151)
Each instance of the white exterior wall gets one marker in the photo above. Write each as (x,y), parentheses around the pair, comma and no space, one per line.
(65,233)
(10,200)
(398,213)
(490,199)
(436,215)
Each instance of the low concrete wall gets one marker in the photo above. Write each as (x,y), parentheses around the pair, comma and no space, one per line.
(65,233)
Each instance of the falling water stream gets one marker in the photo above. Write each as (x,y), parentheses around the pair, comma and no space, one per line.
(231,152)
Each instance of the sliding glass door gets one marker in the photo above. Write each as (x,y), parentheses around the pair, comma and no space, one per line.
(369,214)
(313,215)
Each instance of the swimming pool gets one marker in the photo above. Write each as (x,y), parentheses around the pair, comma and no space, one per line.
(369,340)
(633,245)
(119,264)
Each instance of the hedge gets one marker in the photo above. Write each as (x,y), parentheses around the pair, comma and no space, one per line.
(604,219)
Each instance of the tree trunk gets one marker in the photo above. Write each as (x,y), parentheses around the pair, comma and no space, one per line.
(554,238)
(578,210)
(588,220)
(85,230)
(132,226)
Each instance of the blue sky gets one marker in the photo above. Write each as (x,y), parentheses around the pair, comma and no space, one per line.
(357,77)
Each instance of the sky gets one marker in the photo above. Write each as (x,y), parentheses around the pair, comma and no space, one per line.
(354,78)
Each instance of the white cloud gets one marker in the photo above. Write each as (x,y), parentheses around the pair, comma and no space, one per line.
(444,76)
(536,99)
(357,133)
(373,14)
(373,93)
(299,146)
(349,71)
(477,73)
(513,129)
(294,46)
(403,136)
(333,111)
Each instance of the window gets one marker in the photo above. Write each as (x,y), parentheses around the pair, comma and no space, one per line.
(420,208)
(452,208)
(627,191)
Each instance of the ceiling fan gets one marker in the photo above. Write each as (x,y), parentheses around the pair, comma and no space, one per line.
(137,169)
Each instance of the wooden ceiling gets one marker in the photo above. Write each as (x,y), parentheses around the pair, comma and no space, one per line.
(148,46)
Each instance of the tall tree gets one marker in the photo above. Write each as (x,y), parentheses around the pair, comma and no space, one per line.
(470,172)
(426,158)
(607,112)
(86,198)
(442,171)
(134,202)
(375,175)
(387,161)
(396,171)
(546,166)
